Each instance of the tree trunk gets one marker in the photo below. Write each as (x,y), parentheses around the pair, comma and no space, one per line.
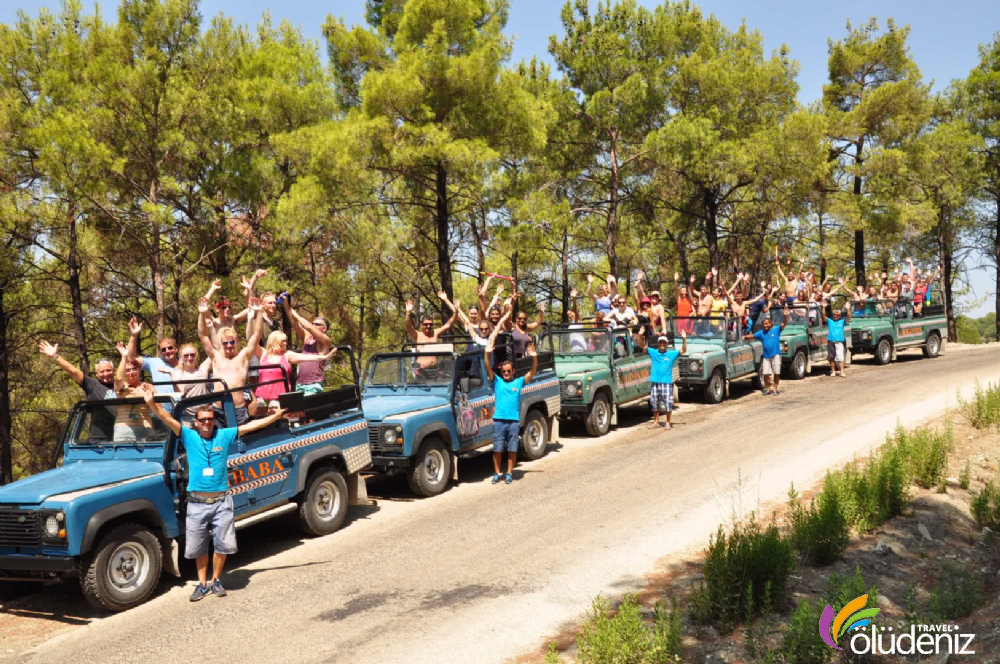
(156,267)
(566,303)
(442,222)
(611,240)
(6,419)
(944,248)
(712,228)
(361,328)
(76,297)
(822,248)
(996,258)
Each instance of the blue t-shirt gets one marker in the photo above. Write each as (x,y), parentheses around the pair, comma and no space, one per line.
(771,341)
(603,304)
(662,368)
(205,453)
(835,329)
(152,366)
(508,398)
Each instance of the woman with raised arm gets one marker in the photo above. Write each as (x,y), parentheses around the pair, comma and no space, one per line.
(602,297)
(132,422)
(276,353)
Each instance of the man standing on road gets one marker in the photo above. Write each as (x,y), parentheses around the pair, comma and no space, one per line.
(209,507)
(661,378)
(836,343)
(507,411)
(770,337)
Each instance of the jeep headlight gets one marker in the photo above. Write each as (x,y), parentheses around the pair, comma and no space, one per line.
(867,336)
(53,524)
(574,388)
(784,346)
(390,436)
(695,366)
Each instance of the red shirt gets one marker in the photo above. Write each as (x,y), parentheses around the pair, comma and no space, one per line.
(684,306)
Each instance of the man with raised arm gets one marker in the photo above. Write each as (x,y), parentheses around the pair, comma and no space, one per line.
(836,342)
(427,334)
(770,337)
(791,286)
(507,412)
(94,389)
(229,364)
(209,507)
(661,378)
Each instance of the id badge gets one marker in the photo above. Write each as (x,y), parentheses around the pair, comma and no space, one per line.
(208,472)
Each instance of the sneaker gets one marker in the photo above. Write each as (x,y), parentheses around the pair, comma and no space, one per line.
(496,478)
(843,375)
(507,479)
(200,591)
(217,589)
(765,392)
(776,393)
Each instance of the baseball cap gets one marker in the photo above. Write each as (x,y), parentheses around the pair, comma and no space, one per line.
(662,338)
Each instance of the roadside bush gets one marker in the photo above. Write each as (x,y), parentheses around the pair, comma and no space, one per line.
(957,594)
(875,492)
(983,411)
(985,507)
(840,590)
(819,532)
(927,451)
(965,476)
(625,638)
(745,570)
(799,643)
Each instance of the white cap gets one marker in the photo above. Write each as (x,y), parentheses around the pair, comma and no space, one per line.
(662,338)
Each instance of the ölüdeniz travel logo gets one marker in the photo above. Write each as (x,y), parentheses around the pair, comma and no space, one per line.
(849,624)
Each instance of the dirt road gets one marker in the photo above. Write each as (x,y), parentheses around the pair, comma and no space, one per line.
(484,573)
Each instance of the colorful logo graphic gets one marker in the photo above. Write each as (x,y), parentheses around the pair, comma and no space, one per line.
(854,615)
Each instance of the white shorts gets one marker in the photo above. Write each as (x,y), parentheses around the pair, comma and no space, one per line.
(771,366)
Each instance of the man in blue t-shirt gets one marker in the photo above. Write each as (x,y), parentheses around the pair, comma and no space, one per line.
(770,337)
(661,378)
(209,507)
(836,342)
(507,409)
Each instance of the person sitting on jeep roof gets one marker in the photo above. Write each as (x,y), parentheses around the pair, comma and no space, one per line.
(209,507)
(507,411)
(94,389)
(661,378)
(770,338)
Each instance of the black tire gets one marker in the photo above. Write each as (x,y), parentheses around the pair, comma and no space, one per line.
(933,346)
(599,416)
(323,505)
(534,441)
(883,352)
(797,368)
(715,390)
(122,571)
(431,469)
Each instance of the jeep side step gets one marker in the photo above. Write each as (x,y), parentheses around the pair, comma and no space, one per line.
(272,512)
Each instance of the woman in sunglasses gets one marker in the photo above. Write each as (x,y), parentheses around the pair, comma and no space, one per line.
(520,334)
(189,369)
(133,422)
(277,355)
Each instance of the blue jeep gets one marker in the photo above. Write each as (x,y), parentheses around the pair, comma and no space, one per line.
(427,408)
(113,511)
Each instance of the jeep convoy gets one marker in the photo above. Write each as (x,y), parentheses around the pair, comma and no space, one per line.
(114,510)
(717,355)
(882,327)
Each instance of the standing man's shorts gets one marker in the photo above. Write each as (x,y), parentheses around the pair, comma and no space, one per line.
(771,366)
(206,522)
(835,351)
(661,397)
(505,435)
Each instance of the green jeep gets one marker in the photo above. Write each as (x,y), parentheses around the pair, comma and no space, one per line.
(882,327)
(717,354)
(803,339)
(600,370)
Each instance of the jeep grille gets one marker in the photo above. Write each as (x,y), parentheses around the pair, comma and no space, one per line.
(19,527)
(684,365)
(564,396)
(377,440)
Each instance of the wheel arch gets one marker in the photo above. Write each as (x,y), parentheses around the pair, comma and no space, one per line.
(137,510)
(328,456)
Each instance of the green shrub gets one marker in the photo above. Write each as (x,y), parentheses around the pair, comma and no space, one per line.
(744,571)
(965,476)
(819,532)
(841,590)
(926,451)
(552,656)
(983,411)
(799,643)
(625,638)
(967,332)
(985,507)
(875,492)
(957,594)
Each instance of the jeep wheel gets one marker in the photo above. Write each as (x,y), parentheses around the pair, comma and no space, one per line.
(798,368)
(933,347)
(715,390)
(534,437)
(599,416)
(324,503)
(431,469)
(123,569)
(883,352)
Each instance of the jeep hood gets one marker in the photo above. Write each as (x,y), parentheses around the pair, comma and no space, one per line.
(564,369)
(74,477)
(381,407)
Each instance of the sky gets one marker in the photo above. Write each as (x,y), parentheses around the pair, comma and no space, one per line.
(944,39)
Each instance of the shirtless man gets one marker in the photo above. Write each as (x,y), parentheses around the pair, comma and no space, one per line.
(791,286)
(427,334)
(229,364)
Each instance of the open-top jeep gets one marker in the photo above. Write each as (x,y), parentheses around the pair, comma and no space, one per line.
(113,512)
(803,339)
(599,371)
(882,327)
(428,407)
(716,355)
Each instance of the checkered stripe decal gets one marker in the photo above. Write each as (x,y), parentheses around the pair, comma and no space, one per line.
(296,444)
(479,403)
(532,387)
(256,484)
(357,457)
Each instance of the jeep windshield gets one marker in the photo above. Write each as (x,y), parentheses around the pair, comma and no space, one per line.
(872,308)
(401,370)
(581,341)
(705,328)
(116,421)
(797,315)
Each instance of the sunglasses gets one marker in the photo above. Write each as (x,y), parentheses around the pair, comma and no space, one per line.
(167,348)
(189,355)
(131,370)
(205,420)
(228,343)
(428,324)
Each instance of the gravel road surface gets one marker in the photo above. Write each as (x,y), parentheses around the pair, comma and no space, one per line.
(484,573)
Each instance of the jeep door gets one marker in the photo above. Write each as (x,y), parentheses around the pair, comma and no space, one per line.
(623,364)
(472,382)
(909,332)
